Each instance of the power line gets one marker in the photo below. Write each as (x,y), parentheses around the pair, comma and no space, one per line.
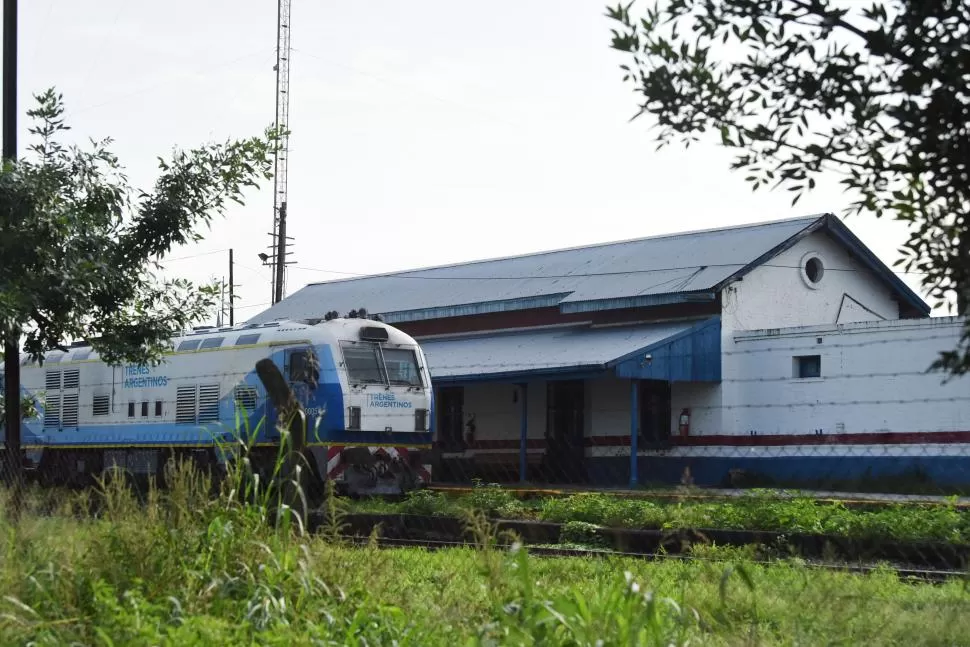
(185,258)
(486,369)
(164,83)
(409,274)
(432,95)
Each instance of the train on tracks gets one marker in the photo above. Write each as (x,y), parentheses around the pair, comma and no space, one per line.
(363,384)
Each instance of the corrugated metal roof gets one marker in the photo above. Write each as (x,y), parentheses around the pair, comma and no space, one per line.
(646,269)
(542,351)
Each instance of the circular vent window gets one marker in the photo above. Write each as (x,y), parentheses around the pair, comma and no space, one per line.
(812,270)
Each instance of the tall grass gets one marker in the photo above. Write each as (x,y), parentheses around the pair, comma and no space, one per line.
(184,566)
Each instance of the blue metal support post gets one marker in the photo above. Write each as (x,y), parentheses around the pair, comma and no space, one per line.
(523,432)
(634,431)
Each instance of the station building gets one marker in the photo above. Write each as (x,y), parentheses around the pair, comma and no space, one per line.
(779,352)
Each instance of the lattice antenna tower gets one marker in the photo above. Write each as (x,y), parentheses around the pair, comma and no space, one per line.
(280,241)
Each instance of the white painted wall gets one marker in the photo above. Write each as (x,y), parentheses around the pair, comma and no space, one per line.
(776,296)
(873,380)
(704,401)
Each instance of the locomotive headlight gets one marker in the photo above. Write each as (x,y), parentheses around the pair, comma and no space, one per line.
(421,420)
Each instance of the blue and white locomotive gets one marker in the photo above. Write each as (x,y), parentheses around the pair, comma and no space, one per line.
(364,385)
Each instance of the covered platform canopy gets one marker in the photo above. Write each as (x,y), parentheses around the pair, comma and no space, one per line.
(679,351)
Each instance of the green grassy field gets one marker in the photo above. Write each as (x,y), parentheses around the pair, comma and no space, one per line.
(754,511)
(184,568)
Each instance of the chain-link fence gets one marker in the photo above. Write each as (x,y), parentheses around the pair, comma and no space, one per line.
(809,454)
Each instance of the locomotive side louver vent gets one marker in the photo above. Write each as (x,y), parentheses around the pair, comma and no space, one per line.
(185,405)
(102,405)
(72,378)
(52,411)
(209,403)
(69,417)
(246,398)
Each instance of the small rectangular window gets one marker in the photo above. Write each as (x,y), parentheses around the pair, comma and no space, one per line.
(212,342)
(131,409)
(158,408)
(144,409)
(246,340)
(303,367)
(188,344)
(102,405)
(806,366)
(354,419)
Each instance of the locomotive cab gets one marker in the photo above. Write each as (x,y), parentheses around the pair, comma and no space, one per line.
(387,410)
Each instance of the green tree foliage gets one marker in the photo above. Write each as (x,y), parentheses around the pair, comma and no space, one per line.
(28,407)
(875,92)
(80,248)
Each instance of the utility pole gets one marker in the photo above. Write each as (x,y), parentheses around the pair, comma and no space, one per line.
(280,254)
(11,339)
(232,321)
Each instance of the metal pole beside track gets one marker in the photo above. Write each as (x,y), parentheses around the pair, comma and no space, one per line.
(11,346)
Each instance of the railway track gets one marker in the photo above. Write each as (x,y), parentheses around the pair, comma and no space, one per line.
(904,572)
(715,494)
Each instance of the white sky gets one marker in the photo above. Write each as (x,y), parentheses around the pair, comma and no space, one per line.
(423,133)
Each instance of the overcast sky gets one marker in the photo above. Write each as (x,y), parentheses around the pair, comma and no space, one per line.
(423,133)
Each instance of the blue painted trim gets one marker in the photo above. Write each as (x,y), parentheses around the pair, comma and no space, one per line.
(634,431)
(647,300)
(524,433)
(792,470)
(563,373)
(715,320)
(704,365)
(693,355)
(470,309)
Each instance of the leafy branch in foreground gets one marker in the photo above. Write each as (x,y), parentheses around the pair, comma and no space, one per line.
(875,93)
(81,248)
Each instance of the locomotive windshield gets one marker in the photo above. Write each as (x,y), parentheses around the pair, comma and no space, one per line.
(402,367)
(365,366)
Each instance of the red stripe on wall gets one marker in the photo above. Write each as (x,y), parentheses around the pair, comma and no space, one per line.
(880,438)
(533,443)
(768,440)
